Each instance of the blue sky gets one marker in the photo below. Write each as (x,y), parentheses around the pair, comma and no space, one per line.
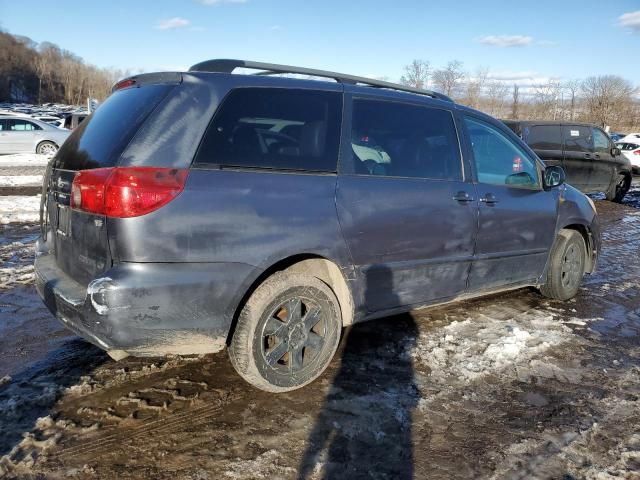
(554,39)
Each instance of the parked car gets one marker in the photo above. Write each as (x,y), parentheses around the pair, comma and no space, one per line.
(631,150)
(72,121)
(175,222)
(616,136)
(630,137)
(28,135)
(591,161)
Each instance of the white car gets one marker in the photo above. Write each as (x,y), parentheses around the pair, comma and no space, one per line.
(631,150)
(631,137)
(28,135)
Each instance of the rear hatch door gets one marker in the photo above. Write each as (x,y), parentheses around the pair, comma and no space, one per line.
(80,240)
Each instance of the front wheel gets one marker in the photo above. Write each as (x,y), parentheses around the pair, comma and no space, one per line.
(619,189)
(566,266)
(287,333)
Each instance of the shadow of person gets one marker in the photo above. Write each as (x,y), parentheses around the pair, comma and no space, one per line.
(364,427)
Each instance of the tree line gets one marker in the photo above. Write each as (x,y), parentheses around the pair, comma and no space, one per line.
(44,72)
(605,100)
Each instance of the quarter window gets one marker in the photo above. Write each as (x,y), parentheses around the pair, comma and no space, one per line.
(499,161)
(544,137)
(400,140)
(600,141)
(577,138)
(275,128)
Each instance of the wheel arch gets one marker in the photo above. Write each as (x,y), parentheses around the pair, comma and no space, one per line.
(46,141)
(317,266)
(587,236)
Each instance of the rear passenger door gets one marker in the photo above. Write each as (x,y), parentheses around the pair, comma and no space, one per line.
(517,218)
(406,212)
(578,156)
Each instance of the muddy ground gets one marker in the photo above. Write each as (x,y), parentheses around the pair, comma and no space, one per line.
(511,386)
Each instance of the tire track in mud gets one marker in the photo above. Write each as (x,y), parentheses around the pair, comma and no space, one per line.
(164,425)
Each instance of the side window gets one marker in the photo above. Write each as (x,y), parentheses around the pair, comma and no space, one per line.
(544,137)
(577,138)
(399,140)
(601,141)
(22,126)
(2,125)
(500,161)
(275,128)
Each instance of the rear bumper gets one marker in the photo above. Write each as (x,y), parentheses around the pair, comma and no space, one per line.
(147,309)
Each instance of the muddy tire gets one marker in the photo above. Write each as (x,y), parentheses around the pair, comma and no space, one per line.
(619,188)
(566,266)
(46,148)
(287,333)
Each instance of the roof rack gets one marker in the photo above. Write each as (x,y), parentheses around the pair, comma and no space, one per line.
(229,65)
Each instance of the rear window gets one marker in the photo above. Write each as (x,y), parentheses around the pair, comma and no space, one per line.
(544,137)
(628,146)
(275,128)
(100,138)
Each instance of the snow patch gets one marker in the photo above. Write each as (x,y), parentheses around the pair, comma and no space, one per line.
(24,160)
(20,180)
(15,208)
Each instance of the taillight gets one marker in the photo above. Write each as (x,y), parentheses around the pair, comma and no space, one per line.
(124,192)
(126,83)
(636,152)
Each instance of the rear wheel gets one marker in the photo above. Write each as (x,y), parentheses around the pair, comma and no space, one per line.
(46,148)
(287,333)
(566,266)
(619,189)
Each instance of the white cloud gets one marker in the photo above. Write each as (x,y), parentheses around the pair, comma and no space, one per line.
(506,40)
(220,2)
(172,23)
(630,20)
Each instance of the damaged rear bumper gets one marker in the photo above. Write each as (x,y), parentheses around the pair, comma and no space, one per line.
(147,309)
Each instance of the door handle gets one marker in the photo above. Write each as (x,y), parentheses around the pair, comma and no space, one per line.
(489,199)
(463,197)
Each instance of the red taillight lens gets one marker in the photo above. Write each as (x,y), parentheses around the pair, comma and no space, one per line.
(126,83)
(636,152)
(126,192)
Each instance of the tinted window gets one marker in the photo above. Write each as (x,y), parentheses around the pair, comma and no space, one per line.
(18,125)
(499,161)
(101,138)
(544,137)
(577,138)
(3,125)
(275,128)
(627,146)
(399,140)
(600,141)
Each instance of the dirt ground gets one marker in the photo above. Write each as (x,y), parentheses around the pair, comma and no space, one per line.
(510,386)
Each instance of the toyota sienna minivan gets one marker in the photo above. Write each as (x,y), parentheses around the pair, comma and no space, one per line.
(207,209)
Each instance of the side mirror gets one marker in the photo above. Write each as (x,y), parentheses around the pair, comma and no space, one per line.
(615,151)
(553,177)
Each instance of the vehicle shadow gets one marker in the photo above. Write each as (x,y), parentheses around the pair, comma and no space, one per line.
(364,428)
(33,392)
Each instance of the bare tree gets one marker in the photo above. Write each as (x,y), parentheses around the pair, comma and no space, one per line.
(474,87)
(515,101)
(446,80)
(546,98)
(495,98)
(572,87)
(417,74)
(605,96)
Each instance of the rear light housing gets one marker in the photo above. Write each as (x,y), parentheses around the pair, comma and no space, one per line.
(636,152)
(125,192)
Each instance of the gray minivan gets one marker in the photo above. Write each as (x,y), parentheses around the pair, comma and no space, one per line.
(201,210)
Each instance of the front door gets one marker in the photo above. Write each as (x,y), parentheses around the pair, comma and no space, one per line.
(517,217)
(406,213)
(578,156)
(604,164)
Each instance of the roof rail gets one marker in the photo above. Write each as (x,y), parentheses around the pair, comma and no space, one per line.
(229,65)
